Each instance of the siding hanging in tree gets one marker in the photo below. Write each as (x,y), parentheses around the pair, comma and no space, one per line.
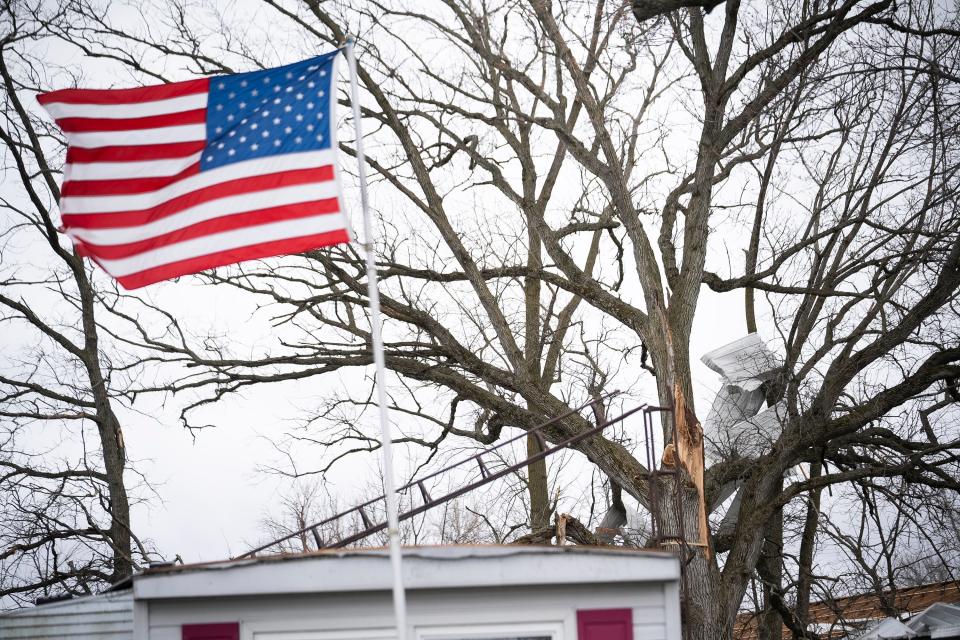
(605,624)
(214,631)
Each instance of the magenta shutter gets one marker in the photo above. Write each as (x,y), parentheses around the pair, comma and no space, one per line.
(605,624)
(215,631)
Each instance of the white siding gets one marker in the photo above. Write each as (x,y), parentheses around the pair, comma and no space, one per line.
(553,606)
(103,617)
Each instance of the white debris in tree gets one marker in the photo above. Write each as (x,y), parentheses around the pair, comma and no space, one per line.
(745,363)
(939,620)
(735,425)
(731,406)
(888,628)
(730,428)
(725,491)
(728,524)
(751,437)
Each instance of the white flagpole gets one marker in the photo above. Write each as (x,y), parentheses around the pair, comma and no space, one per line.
(376,323)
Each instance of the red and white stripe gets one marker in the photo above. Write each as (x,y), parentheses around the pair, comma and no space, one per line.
(134,199)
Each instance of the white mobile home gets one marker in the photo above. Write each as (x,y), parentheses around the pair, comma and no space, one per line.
(108,616)
(453,593)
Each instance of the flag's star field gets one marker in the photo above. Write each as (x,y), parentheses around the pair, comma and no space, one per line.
(272,112)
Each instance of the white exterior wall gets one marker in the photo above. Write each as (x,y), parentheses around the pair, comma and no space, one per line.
(532,610)
(451,592)
(105,617)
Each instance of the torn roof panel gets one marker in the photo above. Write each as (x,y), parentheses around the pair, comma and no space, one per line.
(732,405)
(887,629)
(939,620)
(747,438)
(753,436)
(745,363)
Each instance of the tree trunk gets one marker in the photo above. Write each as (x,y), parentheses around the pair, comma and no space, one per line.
(770,570)
(111,438)
(114,460)
(807,544)
(677,499)
(677,523)
(537,487)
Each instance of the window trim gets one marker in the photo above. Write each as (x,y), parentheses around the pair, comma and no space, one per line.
(552,628)
(271,630)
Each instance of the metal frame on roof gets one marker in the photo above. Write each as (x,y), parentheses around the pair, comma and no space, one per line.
(486,476)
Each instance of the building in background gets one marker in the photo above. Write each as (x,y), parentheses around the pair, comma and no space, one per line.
(930,611)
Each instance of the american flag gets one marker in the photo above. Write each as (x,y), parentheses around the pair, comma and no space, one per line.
(167,180)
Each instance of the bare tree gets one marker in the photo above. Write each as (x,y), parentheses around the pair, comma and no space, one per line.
(555,179)
(293,520)
(65,524)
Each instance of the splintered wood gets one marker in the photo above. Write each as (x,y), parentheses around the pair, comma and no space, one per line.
(688,449)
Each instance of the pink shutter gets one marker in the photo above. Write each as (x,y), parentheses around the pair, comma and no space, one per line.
(215,631)
(605,624)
